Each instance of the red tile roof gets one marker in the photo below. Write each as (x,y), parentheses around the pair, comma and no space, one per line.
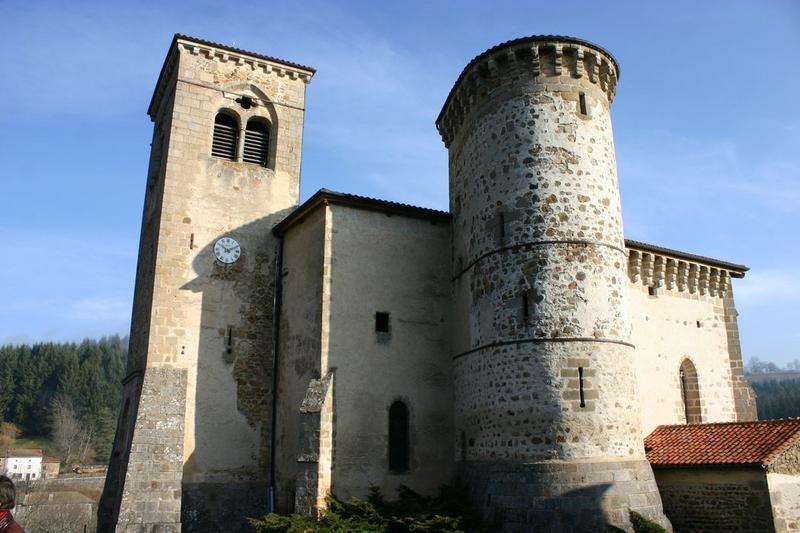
(735,443)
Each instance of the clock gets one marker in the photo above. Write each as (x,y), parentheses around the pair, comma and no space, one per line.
(227,250)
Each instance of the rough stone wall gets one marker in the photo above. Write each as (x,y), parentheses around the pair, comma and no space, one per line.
(299,357)
(205,321)
(716,499)
(397,265)
(668,328)
(544,364)
(559,496)
(151,494)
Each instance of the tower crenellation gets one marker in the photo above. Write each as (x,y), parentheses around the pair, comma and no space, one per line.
(553,61)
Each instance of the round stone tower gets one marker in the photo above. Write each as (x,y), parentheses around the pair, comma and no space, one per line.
(546,408)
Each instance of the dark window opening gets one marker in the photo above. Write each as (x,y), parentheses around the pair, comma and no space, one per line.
(699,324)
(582,101)
(652,291)
(382,322)
(526,313)
(225,137)
(502,220)
(399,445)
(580,384)
(256,142)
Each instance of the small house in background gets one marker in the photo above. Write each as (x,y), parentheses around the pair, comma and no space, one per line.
(23,463)
(729,476)
(51,467)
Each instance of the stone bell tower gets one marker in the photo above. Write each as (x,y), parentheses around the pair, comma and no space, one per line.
(547,417)
(193,444)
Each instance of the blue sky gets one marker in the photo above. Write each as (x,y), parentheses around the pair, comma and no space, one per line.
(707,130)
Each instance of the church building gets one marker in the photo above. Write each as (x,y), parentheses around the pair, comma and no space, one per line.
(281,352)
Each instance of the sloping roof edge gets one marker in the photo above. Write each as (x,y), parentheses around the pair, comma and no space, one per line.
(721,443)
(326,196)
(373,204)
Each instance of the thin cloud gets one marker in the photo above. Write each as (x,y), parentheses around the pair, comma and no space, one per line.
(768,287)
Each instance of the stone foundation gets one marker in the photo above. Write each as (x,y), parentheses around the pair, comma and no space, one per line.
(563,496)
(222,507)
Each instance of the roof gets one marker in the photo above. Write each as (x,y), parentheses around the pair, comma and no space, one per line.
(638,245)
(326,197)
(736,443)
(517,42)
(24,452)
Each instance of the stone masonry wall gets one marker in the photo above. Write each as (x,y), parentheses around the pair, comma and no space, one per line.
(212,323)
(562,496)
(715,499)
(299,362)
(668,328)
(397,265)
(544,366)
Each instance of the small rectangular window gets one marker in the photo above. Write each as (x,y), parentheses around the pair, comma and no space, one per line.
(582,101)
(580,379)
(526,313)
(502,221)
(652,291)
(382,322)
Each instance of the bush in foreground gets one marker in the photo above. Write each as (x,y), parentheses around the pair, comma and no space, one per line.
(449,512)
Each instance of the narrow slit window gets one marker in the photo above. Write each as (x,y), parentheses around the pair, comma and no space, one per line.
(399,441)
(502,221)
(229,339)
(582,102)
(382,322)
(580,385)
(256,142)
(225,138)
(526,313)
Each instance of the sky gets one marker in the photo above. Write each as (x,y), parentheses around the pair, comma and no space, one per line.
(706,125)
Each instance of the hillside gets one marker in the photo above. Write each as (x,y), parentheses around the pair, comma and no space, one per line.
(63,396)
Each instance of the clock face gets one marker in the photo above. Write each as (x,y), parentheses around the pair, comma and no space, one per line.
(227,250)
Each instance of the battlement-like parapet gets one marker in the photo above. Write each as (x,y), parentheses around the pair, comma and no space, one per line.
(550,63)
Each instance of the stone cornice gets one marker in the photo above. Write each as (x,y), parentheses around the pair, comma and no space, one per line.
(653,269)
(530,54)
(224,54)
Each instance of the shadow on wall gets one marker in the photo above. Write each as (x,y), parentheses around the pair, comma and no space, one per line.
(225,478)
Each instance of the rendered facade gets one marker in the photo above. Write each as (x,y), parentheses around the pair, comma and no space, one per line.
(281,352)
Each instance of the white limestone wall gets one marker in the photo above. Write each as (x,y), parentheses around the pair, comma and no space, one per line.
(397,265)
(665,332)
(784,493)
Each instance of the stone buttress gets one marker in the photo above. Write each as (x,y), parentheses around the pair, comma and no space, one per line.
(193,442)
(547,418)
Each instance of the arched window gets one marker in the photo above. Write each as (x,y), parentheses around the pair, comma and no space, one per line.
(226,133)
(398,437)
(256,142)
(690,393)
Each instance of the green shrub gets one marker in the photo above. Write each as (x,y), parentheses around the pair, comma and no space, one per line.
(643,525)
(448,512)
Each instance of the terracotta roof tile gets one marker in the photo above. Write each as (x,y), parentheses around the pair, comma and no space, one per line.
(735,443)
